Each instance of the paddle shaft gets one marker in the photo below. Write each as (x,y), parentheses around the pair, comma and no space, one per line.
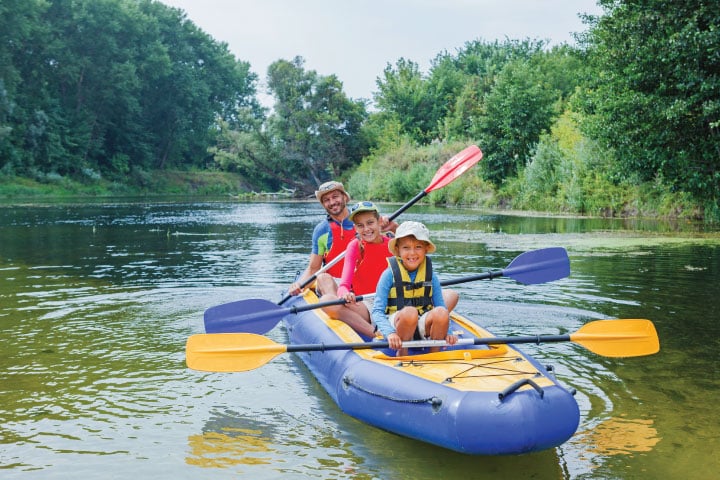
(536,339)
(259,316)
(445,283)
(341,301)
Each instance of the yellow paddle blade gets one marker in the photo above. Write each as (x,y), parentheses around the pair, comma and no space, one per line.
(619,338)
(230,352)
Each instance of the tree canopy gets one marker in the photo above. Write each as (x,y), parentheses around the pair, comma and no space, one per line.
(102,87)
(655,95)
(119,88)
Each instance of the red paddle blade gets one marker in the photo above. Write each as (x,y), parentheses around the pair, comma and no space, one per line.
(455,167)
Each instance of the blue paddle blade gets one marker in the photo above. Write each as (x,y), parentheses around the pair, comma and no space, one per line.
(539,266)
(244,316)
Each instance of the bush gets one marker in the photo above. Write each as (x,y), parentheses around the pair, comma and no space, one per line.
(400,173)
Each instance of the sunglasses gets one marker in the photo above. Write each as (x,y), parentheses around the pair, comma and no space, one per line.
(330,186)
(363,204)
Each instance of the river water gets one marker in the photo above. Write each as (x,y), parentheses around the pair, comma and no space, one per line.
(98,299)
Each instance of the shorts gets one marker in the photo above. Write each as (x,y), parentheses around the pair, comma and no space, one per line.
(368,302)
(420,333)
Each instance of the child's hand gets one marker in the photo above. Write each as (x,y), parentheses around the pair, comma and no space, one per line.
(387,225)
(394,341)
(451,339)
(349,297)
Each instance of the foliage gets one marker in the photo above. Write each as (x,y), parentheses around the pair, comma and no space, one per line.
(315,126)
(505,94)
(568,173)
(249,151)
(656,94)
(110,85)
(114,95)
(447,102)
(527,97)
(405,96)
(401,173)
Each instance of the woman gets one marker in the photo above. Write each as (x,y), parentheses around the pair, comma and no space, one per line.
(365,260)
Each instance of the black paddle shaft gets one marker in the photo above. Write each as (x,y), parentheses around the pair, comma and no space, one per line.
(322,347)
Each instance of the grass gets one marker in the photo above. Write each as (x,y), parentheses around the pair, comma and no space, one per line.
(143,183)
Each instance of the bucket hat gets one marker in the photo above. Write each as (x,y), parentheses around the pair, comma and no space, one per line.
(412,229)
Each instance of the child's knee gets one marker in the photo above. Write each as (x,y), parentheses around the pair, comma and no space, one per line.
(409,313)
(326,284)
(451,298)
(440,316)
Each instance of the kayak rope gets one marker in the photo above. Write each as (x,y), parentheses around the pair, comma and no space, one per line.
(494,367)
(434,401)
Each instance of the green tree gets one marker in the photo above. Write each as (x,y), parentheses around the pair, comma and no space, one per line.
(655,94)
(105,86)
(479,63)
(316,125)
(404,96)
(245,146)
(527,97)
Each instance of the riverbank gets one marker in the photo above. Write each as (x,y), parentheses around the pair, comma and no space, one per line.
(166,182)
(637,202)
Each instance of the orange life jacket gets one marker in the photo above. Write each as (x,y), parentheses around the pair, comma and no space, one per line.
(340,240)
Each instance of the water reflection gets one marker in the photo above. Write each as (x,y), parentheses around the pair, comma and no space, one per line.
(620,436)
(229,439)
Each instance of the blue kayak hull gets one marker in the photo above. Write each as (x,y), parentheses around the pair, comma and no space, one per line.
(507,404)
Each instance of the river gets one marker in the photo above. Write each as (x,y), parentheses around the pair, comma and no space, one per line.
(97,300)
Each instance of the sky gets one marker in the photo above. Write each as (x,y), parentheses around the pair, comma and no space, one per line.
(356,39)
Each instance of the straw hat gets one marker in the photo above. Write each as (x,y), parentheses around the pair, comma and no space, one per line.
(328,187)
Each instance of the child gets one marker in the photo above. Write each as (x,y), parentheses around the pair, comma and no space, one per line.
(409,299)
(365,259)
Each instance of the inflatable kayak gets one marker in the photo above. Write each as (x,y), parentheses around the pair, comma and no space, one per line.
(474,399)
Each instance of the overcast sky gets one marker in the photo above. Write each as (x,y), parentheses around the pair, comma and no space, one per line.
(356,39)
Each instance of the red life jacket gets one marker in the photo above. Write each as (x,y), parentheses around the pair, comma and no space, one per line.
(371,264)
(340,240)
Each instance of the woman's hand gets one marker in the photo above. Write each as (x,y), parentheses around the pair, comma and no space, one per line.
(387,225)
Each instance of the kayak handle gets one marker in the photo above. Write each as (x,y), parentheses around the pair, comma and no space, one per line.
(520,383)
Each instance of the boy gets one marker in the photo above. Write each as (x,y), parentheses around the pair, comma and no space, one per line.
(409,302)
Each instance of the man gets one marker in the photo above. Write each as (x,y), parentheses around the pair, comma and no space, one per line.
(329,239)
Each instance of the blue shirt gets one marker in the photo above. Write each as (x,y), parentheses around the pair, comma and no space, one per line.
(386,282)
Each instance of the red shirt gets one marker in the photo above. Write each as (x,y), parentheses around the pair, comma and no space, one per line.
(362,270)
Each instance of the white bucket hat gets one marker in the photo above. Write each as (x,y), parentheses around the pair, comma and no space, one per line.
(412,229)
